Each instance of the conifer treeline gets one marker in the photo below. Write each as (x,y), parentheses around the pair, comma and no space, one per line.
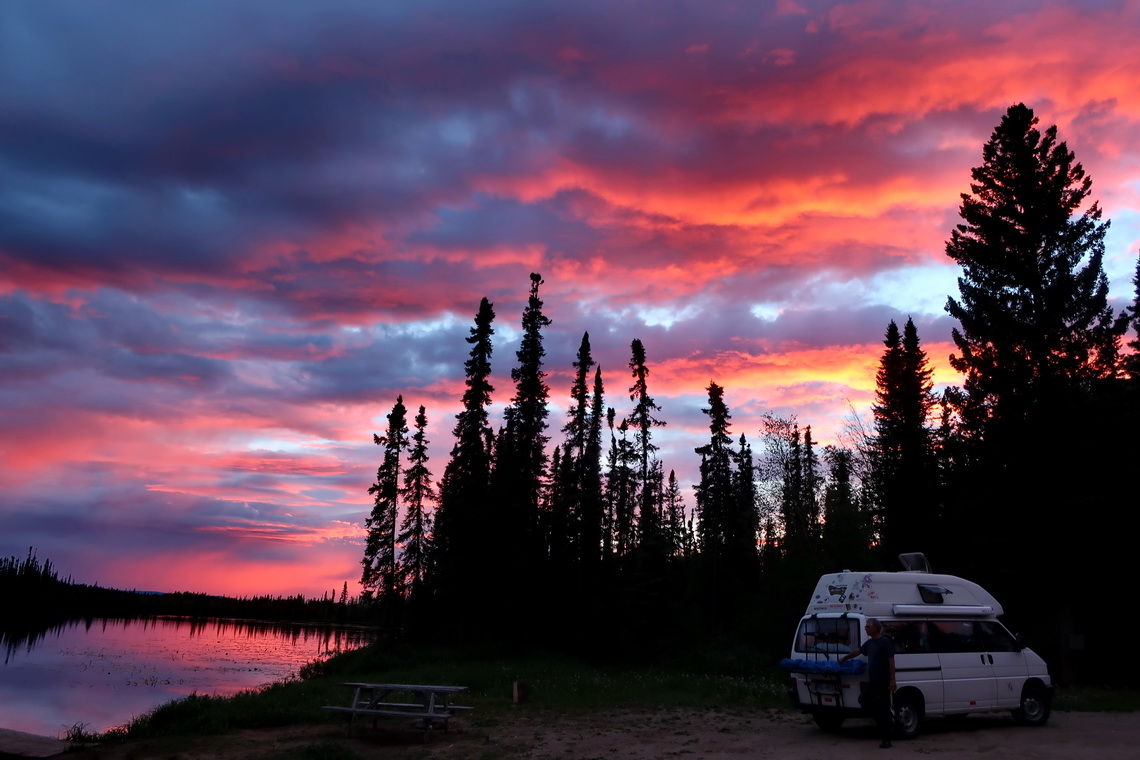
(589,543)
(37,598)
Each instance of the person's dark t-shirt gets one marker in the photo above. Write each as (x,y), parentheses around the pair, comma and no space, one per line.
(878,653)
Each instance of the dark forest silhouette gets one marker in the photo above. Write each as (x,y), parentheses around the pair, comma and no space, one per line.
(37,599)
(1015,480)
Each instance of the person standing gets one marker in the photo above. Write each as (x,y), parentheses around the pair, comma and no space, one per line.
(876,696)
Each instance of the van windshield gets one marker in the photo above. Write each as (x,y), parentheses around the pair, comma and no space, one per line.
(818,635)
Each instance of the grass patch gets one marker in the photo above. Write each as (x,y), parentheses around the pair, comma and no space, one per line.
(1097,700)
(553,682)
(559,682)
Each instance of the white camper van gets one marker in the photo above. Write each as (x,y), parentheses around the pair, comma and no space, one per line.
(952,655)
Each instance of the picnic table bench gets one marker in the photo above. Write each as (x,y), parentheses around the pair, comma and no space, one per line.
(428,705)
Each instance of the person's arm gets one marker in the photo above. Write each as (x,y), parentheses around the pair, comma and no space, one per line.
(891,662)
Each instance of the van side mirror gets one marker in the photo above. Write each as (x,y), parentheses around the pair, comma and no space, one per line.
(1020,641)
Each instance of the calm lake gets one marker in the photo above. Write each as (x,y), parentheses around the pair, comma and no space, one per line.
(102,673)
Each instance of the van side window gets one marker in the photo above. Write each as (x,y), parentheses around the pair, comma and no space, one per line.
(909,636)
(827,635)
(996,637)
(949,636)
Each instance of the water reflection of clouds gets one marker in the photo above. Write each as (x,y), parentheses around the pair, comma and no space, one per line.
(104,672)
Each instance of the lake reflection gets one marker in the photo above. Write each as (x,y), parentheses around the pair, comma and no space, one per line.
(104,672)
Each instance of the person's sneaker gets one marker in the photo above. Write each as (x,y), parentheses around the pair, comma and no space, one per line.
(885,745)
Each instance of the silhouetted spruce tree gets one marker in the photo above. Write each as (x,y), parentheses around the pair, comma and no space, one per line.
(1036,338)
(846,529)
(745,526)
(726,509)
(577,427)
(381,577)
(902,449)
(592,510)
(786,490)
(609,494)
(676,527)
(1132,361)
(574,463)
(416,529)
(520,474)
(1034,315)
(557,516)
(798,528)
(621,486)
(461,576)
(642,422)
(715,497)
(811,483)
(791,557)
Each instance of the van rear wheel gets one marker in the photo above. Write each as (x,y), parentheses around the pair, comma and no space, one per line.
(1035,708)
(908,715)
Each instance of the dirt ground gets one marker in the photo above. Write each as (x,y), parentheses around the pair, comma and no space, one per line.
(536,734)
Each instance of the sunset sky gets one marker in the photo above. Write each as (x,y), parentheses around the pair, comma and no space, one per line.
(231,233)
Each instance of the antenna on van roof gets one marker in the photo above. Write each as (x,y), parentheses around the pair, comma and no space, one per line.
(915,562)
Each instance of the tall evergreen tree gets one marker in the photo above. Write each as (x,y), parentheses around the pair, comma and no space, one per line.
(591,501)
(745,527)
(675,523)
(715,495)
(460,536)
(1036,341)
(518,550)
(903,463)
(621,486)
(558,516)
(577,427)
(811,483)
(610,494)
(1132,362)
(642,421)
(798,527)
(1034,315)
(726,508)
(521,458)
(846,533)
(575,466)
(786,491)
(380,577)
(415,531)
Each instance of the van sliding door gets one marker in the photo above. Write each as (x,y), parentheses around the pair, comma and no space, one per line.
(967,668)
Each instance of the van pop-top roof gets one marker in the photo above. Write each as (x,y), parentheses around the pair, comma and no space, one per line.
(902,594)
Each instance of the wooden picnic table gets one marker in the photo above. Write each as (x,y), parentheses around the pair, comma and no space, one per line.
(429,705)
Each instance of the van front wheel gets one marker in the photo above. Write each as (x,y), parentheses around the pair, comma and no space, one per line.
(1034,710)
(908,716)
